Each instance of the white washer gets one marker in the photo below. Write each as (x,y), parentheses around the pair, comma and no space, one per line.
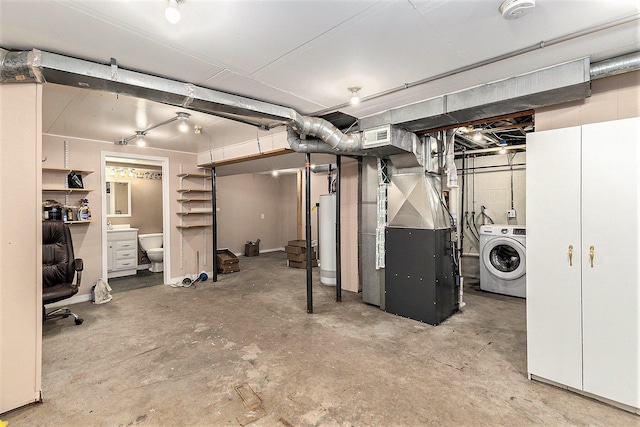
(503,259)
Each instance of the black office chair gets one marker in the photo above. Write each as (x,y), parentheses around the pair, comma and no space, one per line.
(58,268)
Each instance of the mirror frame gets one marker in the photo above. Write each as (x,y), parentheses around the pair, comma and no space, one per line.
(110,196)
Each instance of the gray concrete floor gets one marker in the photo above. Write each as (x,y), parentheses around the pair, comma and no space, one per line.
(244,351)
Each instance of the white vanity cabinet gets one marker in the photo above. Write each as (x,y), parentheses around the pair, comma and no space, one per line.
(583,246)
(122,252)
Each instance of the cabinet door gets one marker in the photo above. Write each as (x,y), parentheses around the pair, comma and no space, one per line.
(110,257)
(554,347)
(611,297)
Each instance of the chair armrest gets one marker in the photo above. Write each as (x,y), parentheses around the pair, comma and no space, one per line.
(78,265)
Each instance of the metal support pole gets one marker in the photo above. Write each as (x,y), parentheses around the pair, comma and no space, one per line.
(307,172)
(338,254)
(214,225)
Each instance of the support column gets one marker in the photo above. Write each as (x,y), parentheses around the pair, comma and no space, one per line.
(214,225)
(338,233)
(307,172)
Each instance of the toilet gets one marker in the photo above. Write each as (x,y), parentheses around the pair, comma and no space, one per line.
(151,245)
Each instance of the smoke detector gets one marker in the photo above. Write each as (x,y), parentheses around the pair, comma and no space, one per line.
(514,9)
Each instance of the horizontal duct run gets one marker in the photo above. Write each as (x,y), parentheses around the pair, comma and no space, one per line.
(561,83)
(40,66)
(557,84)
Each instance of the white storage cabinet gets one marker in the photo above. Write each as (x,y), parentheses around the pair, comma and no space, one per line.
(583,252)
(122,252)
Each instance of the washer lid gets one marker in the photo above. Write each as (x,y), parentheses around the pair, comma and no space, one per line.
(504,258)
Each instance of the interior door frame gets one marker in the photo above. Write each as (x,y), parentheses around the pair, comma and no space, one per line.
(166,226)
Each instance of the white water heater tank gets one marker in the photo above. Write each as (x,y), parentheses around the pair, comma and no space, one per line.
(327,239)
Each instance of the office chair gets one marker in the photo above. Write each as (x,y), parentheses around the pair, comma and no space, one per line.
(58,268)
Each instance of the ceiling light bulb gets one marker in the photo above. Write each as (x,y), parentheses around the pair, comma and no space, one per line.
(477,137)
(274,173)
(140,138)
(502,151)
(121,172)
(355,99)
(172,13)
(183,117)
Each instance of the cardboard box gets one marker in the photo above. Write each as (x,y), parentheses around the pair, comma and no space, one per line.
(252,249)
(300,257)
(299,243)
(295,250)
(302,264)
(228,262)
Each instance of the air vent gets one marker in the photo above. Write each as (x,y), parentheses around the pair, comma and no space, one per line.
(377,137)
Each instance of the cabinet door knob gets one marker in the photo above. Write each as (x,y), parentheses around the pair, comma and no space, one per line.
(570,255)
(592,252)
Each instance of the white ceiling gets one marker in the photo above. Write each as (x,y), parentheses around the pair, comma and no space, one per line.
(302,54)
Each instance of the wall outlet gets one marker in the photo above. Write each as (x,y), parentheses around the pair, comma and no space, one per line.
(261,216)
(511,213)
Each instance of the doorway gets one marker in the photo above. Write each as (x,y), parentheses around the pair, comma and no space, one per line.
(132,161)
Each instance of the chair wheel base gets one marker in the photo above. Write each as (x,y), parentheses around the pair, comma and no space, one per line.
(79,321)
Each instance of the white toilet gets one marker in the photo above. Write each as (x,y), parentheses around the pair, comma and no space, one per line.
(151,244)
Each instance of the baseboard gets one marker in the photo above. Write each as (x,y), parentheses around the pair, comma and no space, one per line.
(272,250)
(73,300)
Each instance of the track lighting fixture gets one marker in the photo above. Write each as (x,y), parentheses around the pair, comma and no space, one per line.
(140,134)
(171,12)
(355,99)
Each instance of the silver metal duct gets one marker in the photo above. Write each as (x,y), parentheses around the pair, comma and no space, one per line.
(562,83)
(414,201)
(553,85)
(619,65)
(39,66)
(306,145)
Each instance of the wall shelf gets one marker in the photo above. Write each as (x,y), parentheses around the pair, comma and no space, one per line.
(194,175)
(77,222)
(67,170)
(194,199)
(66,190)
(183,227)
(191,190)
(193,213)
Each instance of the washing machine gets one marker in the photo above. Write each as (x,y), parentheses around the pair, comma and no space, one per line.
(503,259)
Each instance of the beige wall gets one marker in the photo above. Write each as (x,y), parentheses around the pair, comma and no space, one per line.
(20,245)
(612,98)
(242,200)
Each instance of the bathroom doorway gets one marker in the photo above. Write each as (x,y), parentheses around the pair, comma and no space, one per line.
(130,183)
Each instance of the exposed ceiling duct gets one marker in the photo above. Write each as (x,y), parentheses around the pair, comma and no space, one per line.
(618,65)
(561,83)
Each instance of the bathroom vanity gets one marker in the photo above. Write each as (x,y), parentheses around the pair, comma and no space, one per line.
(122,252)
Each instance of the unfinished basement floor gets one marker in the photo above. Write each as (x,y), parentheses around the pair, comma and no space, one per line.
(244,351)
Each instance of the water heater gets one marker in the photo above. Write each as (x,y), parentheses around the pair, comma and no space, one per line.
(327,239)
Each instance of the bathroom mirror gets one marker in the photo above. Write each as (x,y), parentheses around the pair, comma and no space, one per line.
(118,199)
